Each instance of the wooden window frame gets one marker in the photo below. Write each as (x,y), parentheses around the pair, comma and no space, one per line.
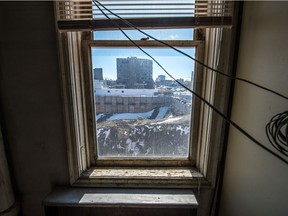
(87,45)
(80,123)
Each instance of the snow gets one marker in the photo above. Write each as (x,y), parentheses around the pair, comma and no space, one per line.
(148,150)
(106,136)
(184,130)
(120,116)
(131,146)
(99,116)
(170,120)
(146,115)
(119,146)
(99,131)
(162,112)
(141,143)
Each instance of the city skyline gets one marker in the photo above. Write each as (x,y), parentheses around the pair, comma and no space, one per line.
(175,63)
(178,66)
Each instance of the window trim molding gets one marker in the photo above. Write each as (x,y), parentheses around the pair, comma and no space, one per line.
(78,156)
(179,22)
(72,79)
(78,163)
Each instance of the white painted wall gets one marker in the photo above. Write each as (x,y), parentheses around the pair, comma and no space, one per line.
(256,182)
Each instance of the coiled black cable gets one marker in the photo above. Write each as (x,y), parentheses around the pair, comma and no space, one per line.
(277,132)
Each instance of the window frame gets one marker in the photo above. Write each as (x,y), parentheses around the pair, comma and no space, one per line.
(87,45)
(81,163)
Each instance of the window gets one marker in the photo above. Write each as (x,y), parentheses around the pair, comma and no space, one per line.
(123,111)
(152,118)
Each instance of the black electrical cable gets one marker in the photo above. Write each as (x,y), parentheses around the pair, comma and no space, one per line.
(187,55)
(277,132)
(194,93)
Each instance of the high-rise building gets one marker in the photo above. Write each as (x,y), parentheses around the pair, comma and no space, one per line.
(98,73)
(135,73)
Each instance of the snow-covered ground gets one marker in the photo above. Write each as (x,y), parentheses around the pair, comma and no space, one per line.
(119,116)
(158,132)
(99,116)
(162,112)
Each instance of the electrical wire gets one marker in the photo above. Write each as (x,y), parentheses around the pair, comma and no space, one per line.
(277,132)
(187,55)
(194,93)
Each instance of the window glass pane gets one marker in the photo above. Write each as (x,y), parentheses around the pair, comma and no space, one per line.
(140,110)
(163,34)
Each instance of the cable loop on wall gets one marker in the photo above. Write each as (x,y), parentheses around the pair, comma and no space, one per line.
(277,132)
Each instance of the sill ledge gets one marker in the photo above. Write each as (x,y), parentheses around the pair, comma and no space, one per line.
(103,197)
(144,177)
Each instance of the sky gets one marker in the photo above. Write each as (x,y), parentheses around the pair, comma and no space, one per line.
(176,64)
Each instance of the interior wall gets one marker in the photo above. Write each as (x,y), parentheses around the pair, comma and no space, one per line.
(30,99)
(255,182)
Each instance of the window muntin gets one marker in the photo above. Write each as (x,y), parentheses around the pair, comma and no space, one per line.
(144,109)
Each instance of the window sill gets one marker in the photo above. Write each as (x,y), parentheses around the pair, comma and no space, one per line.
(144,177)
(107,197)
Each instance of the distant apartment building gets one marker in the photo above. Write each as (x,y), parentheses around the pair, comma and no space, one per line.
(98,73)
(161,78)
(135,73)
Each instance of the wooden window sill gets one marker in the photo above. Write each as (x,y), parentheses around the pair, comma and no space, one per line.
(116,197)
(143,177)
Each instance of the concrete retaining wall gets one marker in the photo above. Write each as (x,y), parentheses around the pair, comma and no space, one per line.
(116,104)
